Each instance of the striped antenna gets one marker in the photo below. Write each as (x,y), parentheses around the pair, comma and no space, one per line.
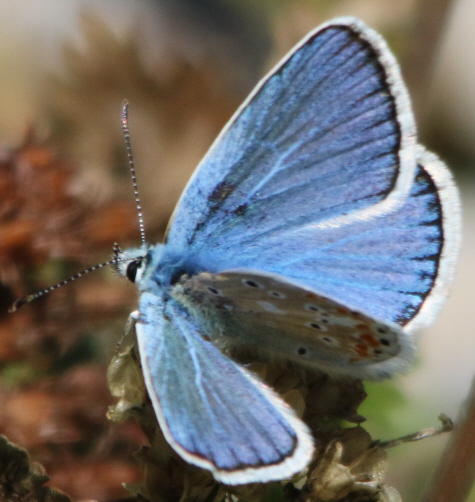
(28,299)
(128,146)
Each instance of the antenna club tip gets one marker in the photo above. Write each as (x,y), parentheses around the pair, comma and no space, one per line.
(17,304)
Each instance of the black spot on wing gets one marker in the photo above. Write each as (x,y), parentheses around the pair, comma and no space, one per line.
(241,210)
(215,201)
(221,192)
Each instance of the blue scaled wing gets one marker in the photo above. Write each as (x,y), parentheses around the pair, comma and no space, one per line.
(212,411)
(327,134)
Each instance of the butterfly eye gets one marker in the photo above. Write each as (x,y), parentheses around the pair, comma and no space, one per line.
(132,268)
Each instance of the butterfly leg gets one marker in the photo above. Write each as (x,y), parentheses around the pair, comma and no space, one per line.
(129,330)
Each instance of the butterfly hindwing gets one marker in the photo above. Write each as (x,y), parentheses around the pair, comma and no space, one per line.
(442,228)
(280,318)
(395,266)
(387,266)
(206,404)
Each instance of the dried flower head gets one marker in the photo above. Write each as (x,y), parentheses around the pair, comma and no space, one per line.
(348,465)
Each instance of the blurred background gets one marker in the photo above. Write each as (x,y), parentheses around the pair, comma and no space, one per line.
(65,197)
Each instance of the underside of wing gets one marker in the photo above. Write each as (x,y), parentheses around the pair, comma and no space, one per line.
(275,316)
(328,134)
(211,411)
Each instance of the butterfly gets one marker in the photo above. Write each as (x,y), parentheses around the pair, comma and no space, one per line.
(315,230)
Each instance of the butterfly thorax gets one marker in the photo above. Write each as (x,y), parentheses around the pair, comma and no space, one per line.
(154,268)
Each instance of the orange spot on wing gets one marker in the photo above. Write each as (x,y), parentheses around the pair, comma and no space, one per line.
(361,326)
(311,296)
(370,339)
(342,310)
(361,350)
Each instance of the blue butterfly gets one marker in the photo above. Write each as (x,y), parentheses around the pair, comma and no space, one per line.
(315,230)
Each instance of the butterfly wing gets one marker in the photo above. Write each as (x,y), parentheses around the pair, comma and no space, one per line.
(373,277)
(439,223)
(280,318)
(212,411)
(328,134)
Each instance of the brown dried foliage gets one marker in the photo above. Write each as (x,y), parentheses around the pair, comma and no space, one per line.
(53,391)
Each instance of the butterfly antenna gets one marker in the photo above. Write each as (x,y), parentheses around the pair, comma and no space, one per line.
(128,146)
(28,299)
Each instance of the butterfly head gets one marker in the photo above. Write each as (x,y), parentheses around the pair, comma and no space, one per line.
(132,263)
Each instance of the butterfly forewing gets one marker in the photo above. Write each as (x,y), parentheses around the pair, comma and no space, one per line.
(327,133)
(193,390)
(298,183)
